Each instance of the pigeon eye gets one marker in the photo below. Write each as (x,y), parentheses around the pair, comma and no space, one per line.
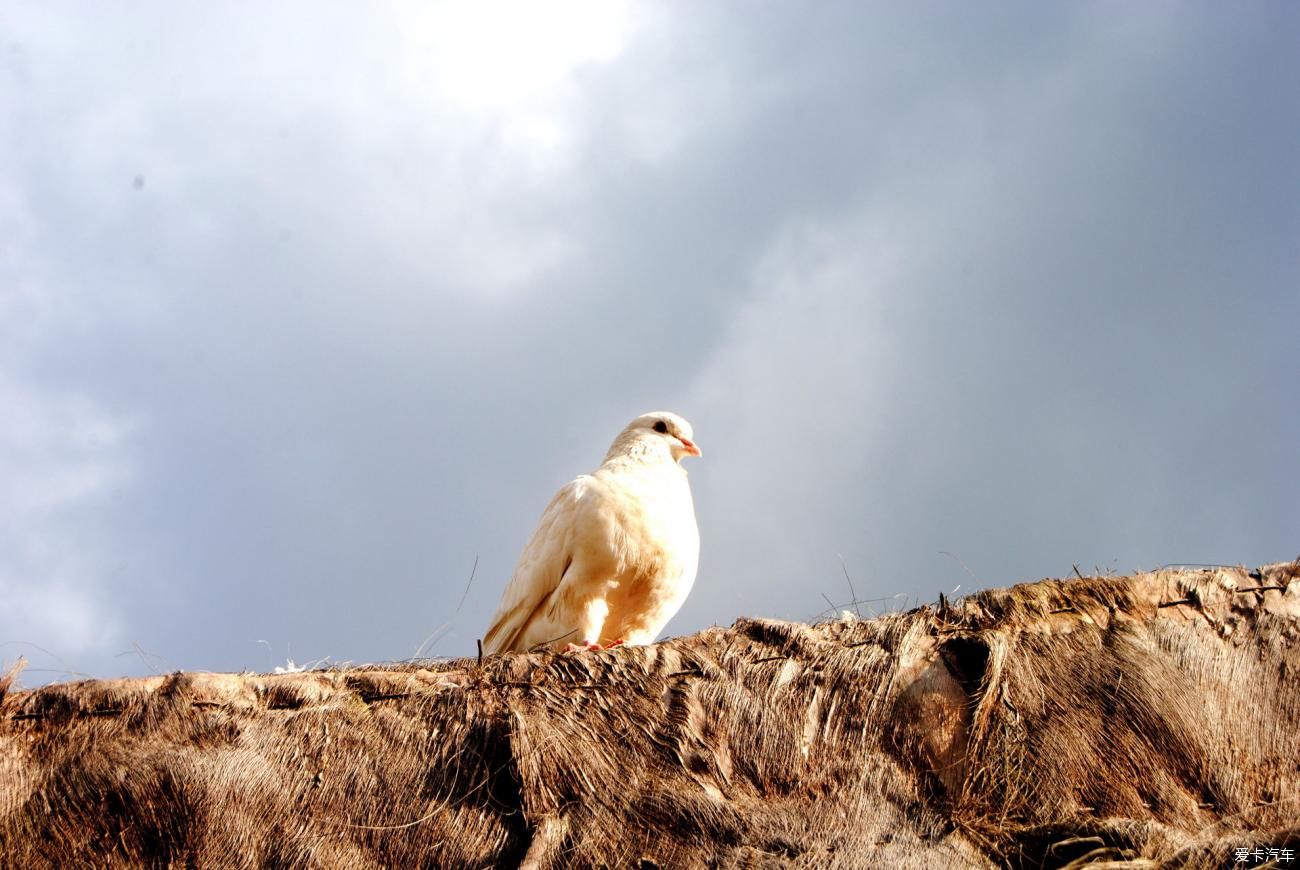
(661,427)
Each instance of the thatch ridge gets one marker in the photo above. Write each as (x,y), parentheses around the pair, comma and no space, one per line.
(1147,718)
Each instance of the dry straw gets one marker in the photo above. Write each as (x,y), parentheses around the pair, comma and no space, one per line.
(1136,721)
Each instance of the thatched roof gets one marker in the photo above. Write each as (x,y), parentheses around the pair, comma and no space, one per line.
(1150,719)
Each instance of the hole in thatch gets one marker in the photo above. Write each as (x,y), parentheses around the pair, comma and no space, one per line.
(1057,846)
(967,659)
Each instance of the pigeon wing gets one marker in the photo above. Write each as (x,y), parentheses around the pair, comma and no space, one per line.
(540,570)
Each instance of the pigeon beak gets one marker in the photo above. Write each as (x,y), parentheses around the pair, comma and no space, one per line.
(691,449)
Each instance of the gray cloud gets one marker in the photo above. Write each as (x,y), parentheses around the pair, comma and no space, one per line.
(313,316)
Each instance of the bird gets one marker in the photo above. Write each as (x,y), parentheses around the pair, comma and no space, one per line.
(615,553)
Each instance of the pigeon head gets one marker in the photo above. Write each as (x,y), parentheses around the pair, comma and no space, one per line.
(657,435)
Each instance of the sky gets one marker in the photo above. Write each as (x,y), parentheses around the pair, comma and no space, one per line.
(306,310)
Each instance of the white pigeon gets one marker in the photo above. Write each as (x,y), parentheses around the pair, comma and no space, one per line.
(615,554)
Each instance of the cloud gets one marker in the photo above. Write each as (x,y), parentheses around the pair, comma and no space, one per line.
(60,460)
(302,318)
(978,366)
